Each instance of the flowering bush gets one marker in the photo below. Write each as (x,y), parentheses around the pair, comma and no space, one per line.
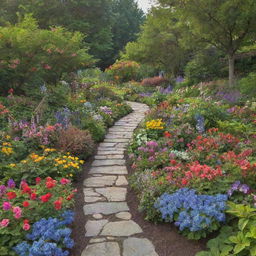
(195,215)
(123,71)
(50,163)
(21,207)
(35,52)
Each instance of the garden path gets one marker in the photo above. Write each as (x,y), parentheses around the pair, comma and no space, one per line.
(110,226)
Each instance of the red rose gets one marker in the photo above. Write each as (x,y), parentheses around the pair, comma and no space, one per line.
(167,134)
(11,195)
(33,196)
(26,203)
(46,198)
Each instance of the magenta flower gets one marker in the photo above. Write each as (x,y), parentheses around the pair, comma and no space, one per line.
(7,206)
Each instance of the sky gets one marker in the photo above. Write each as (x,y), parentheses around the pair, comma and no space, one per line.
(144,4)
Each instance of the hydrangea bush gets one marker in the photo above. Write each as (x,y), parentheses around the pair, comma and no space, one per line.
(195,215)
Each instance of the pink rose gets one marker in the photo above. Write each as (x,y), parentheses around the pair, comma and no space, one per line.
(26,226)
(4,223)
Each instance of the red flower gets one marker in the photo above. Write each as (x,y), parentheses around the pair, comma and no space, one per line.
(11,195)
(184,181)
(70,197)
(51,183)
(26,189)
(26,221)
(38,180)
(26,203)
(10,91)
(46,198)
(64,181)
(167,134)
(58,204)
(33,196)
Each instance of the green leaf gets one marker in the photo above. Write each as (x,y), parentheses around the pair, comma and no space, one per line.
(239,247)
(253,250)
(242,223)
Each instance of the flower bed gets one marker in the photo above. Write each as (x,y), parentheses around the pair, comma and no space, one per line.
(194,163)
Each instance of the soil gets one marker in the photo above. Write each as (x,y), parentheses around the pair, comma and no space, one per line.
(164,236)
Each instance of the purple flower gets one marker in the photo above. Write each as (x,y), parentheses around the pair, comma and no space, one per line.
(244,188)
(11,183)
(2,190)
(236,185)
(151,159)
(6,206)
(152,144)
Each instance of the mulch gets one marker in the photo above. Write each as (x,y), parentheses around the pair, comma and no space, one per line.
(165,237)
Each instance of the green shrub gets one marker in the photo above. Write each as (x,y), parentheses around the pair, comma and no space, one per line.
(33,56)
(247,85)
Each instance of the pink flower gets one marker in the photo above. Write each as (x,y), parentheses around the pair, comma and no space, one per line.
(48,67)
(6,206)
(64,181)
(4,223)
(26,226)
(73,54)
(17,212)
(16,61)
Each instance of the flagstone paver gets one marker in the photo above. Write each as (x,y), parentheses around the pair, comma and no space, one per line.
(110,225)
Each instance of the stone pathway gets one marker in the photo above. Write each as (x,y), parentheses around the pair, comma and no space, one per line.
(110,226)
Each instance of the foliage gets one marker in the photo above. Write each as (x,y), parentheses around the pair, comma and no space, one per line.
(238,239)
(33,55)
(158,43)
(247,85)
(204,66)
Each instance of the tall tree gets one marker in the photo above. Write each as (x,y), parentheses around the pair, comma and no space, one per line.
(158,43)
(225,24)
(108,24)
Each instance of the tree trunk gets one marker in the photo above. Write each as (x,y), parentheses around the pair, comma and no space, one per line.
(231,65)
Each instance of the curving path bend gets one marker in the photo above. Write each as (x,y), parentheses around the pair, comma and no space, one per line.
(110,226)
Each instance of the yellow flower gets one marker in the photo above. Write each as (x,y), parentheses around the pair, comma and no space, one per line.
(155,125)
(7,137)
(82,101)
(12,165)
(39,159)
(7,151)
(71,175)
(49,150)
(24,161)
(65,166)
(81,161)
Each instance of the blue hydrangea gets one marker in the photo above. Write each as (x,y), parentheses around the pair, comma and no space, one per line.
(191,211)
(48,237)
